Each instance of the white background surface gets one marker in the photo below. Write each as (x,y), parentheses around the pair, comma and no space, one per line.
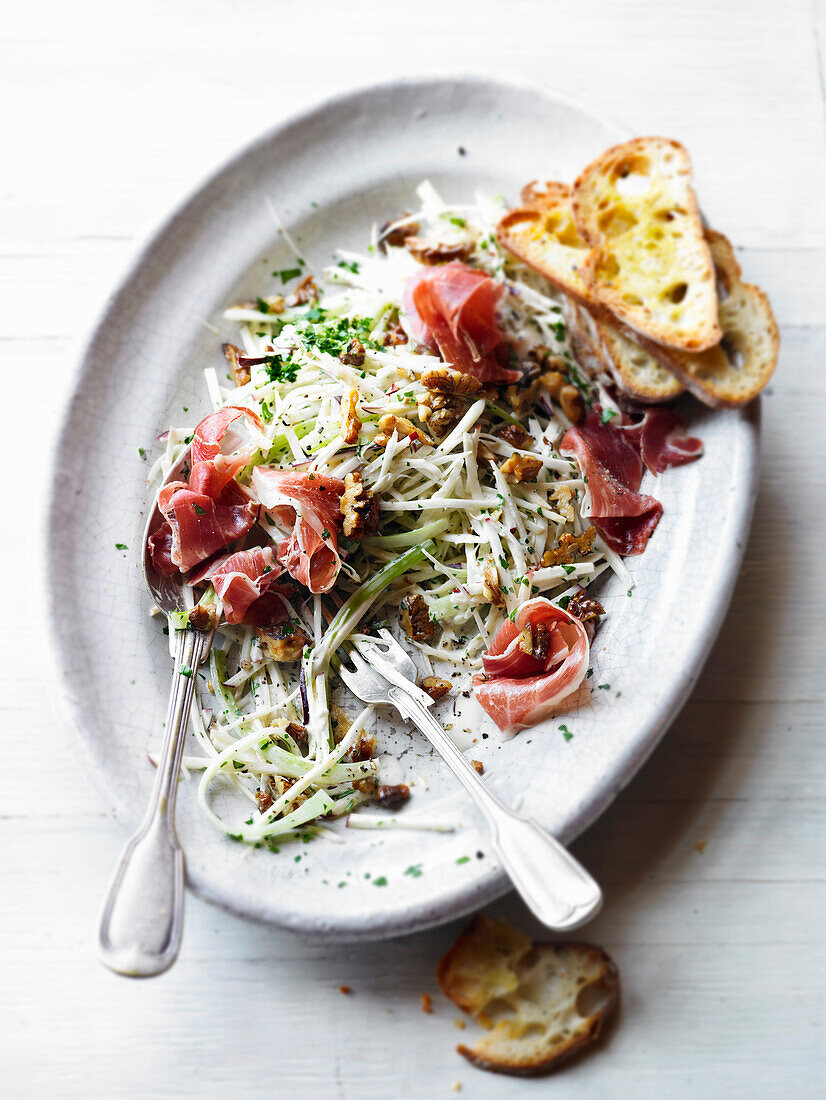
(110,112)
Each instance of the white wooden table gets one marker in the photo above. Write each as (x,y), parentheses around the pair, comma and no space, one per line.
(109,112)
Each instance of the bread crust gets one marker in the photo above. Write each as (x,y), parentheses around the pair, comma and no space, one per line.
(711,375)
(511,957)
(599,207)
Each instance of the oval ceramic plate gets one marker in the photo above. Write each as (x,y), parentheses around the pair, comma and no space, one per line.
(330,174)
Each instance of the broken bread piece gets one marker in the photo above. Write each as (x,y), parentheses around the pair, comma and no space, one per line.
(740,366)
(543,235)
(649,264)
(541,1003)
(602,348)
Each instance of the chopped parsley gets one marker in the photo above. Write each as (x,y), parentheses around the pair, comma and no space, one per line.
(266,411)
(606,415)
(414,870)
(186,670)
(380,881)
(566,733)
(457,221)
(463,859)
(279,369)
(199,511)
(287,274)
(121,546)
(142,453)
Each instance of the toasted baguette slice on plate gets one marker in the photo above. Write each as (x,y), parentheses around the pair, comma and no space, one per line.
(604,348)
(541,1003)
(740,366)
(543,235)
(649,263)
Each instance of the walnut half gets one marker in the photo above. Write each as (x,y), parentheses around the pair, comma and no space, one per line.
(416,619)
(569,545)
(350,421)
(447,380)
(358,506)
(521,468)
(284,642)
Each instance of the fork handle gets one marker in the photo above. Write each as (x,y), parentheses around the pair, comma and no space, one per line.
(555,887)
(142,921)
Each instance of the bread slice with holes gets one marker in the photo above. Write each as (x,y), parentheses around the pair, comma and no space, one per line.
(649,263)
(740,366)
(540,1003)
(542,234)
(602,347)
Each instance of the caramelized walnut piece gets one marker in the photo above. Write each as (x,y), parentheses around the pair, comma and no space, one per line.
(563,498)
(447,380)
(541,638)
(569,545)
(340,721)
(283,642)
(240,374)
(264,800)
(203,618)
(522,397)
(490,583)
(353,356)
(358,506)
(484,456)
(363,749)
(416,619)
(516,435)
(403,428)
(440,412)
(350,421)
(298,734)
(478,767)
(393,234)
(521,468)
(437,689)
(567,396)
(584,607)
(394,335)
(306,291)
(432,253)
(389,796)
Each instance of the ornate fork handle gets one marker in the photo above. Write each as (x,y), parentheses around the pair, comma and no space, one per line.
(554,886)
(142,922)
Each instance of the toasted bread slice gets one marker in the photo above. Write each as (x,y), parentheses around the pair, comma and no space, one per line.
(543,235)
(649,262)
(602,348)
(541,1003)
(740,366)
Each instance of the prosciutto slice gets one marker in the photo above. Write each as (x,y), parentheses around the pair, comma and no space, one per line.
(623,516)
(452,308)
(241,578)
(209,511)
(661,439)
(199,525)
(518,689)
(308,505)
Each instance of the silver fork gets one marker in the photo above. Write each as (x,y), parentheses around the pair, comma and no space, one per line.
(554,886)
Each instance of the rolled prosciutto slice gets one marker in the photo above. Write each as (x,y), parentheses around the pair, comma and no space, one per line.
(309,506)
(452,308)
(624,517)
(533,664)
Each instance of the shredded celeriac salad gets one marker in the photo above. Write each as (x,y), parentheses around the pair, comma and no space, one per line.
(452,528)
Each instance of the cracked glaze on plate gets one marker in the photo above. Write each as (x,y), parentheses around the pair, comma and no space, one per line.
(330,173)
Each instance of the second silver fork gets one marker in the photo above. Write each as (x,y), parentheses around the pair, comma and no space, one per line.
(555,887)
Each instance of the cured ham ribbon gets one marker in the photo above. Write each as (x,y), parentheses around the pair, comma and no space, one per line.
(534,663)
(452,308)
(309,505)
